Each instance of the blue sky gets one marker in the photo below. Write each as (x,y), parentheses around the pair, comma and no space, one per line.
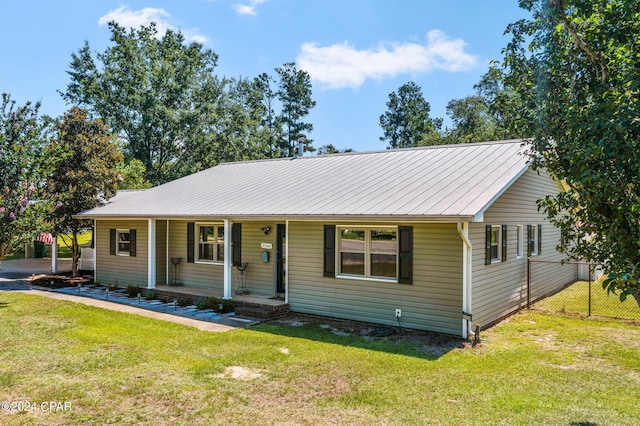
(356,52)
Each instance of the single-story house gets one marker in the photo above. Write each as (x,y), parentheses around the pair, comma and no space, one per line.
(438,235)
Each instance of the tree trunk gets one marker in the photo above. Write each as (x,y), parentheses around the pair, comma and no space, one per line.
(636,295)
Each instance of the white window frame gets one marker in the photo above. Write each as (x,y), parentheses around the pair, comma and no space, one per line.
(367,252)
(519,241)
(118,251)
(498,244)
(216,252)
(534,239)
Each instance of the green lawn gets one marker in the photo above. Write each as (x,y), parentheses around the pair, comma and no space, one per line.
(84,240)
(575,298)
(115,368)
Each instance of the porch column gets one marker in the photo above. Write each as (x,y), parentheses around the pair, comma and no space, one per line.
(227,260)
(54,255)
(286,262)
(151,257)
(166,252)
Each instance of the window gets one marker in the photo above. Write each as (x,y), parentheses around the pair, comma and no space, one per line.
(495,242)
(534,240)
(210,243)
(122,242)
(519,236)
(123,246)
(368,251)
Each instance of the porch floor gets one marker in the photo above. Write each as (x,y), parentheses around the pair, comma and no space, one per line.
(204,292)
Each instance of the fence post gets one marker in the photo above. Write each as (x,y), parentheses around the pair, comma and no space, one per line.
(528,283)
(589,314)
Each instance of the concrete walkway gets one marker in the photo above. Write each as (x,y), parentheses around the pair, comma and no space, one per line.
(199,324)
(15,274)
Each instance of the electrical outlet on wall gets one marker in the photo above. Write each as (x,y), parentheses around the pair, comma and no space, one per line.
(398,313)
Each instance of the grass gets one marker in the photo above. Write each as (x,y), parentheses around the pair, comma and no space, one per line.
(115,368)
(64,252)
(575,298)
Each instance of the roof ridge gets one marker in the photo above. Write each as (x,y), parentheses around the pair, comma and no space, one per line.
(380,151)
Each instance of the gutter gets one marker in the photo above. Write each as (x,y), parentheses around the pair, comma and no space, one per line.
(467,262)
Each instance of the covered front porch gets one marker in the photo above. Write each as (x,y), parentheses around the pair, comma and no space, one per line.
(224,258)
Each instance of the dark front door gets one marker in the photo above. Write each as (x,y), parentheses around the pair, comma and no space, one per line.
(281,257)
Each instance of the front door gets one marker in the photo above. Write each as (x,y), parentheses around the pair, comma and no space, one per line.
(281,257)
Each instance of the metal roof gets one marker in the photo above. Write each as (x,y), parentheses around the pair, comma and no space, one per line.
(448,182)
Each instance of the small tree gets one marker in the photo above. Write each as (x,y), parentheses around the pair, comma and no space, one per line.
(84,173)
(20,147)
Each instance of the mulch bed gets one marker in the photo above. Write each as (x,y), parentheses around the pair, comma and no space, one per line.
(61,280)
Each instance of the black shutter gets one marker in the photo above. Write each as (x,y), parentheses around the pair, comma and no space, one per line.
(529,241)
(132,242)
(504,243)
(405,252)
(112,242)
(329,250)
(191,241)
(487,245)
(539,239)
(236,244)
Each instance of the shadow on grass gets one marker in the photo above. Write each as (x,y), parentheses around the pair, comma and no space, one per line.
(583,424)
(400,341)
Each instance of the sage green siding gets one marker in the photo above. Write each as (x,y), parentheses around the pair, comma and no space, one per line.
(500,288)
(259,275)
(127,270)
(432,302)
(202,275)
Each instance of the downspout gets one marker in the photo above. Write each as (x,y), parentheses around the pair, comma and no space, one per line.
(463,231)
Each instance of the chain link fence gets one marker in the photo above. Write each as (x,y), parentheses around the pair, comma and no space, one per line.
(574,287)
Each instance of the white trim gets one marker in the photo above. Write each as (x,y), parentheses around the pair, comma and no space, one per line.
(286,262)
(498,258)
(123,230)
(94,237)
(196,239)
(519,241)
(151,257)
(227,260)
(467,268)
(534,240)
(367,252)
(366,278)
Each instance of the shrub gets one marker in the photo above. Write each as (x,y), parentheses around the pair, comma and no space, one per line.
(215,304)
(150,295)
(133,290)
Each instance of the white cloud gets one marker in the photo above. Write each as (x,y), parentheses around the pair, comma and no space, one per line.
(136,18)
(250,8)
(342,65)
